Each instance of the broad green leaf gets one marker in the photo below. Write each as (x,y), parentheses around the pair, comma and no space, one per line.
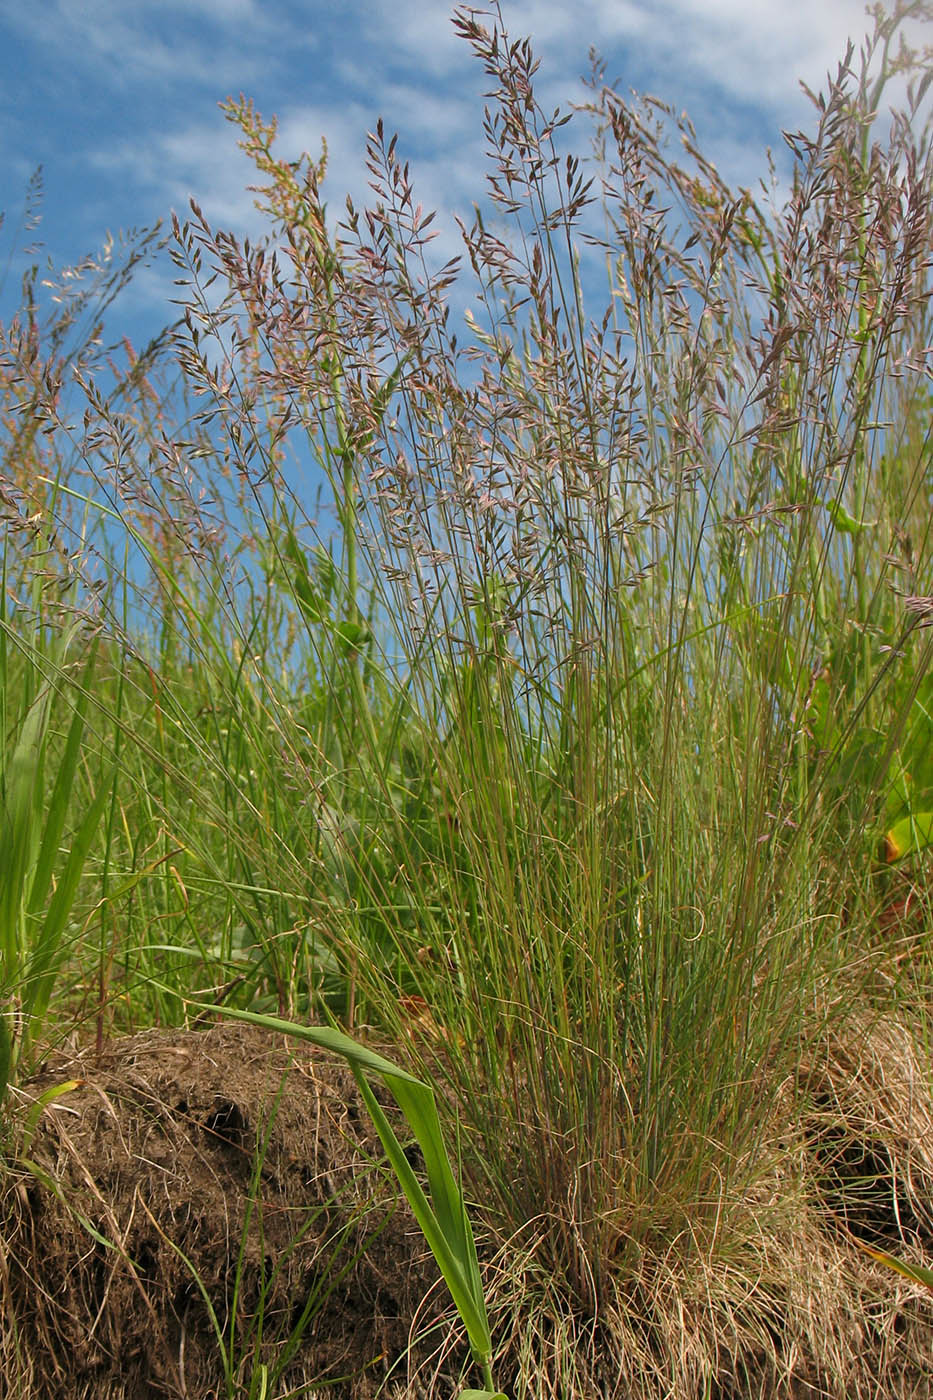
(915,1272)
(446,1243)
(311,601)
(913,833)
(443,1218)
(322,1036)
(353,635)
(845,523)
(56,810)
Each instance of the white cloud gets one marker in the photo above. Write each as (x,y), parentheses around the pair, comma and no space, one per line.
(123,45)
(748,52)
(732,64)
(421,34)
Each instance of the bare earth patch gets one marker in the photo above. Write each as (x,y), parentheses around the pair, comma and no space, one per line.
(221,1171)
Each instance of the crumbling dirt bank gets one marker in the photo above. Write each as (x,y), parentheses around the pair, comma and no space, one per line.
(201,1197)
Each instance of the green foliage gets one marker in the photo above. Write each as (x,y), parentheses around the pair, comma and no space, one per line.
(34,915)
(915,1272)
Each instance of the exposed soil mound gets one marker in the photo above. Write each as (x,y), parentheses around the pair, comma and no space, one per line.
(201,1197)
(206,1204)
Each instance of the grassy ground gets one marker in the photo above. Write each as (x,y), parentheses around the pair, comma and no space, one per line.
(579,746)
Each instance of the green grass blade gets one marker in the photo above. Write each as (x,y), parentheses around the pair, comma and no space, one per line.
(19,831)
(322,1036)
(45,956)
(443,1220)
(57,808)
(915,1272)
(6,1055)
(420,1109)
(446,1244)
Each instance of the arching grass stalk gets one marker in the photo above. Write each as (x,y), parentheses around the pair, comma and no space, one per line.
(441,1213)
(293,203)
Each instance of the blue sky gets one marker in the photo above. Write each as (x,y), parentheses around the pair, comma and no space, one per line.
(117,99)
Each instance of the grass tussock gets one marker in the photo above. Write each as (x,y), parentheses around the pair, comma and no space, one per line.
(575,738)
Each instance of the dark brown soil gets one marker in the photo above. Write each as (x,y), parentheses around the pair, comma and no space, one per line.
(215,1172)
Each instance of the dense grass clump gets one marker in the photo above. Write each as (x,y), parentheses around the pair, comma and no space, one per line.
(576,740)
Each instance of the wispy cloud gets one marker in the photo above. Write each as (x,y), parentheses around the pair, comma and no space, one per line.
(121,100)
(176,42)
